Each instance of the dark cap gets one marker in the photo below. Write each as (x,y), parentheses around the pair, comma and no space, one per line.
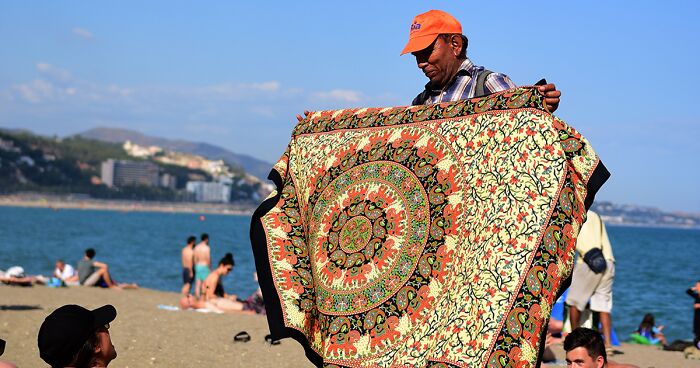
(67,329)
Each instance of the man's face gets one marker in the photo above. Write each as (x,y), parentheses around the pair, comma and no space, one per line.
(439,61)
(105,346)
(579,358)
(60,266)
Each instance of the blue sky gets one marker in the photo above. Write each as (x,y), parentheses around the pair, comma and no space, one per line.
(235,73)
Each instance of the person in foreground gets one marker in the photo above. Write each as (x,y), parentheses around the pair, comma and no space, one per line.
(187,265)
(585,349)
(72,336)
(440,49)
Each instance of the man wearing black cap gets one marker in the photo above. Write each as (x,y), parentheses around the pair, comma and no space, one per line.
(73,336)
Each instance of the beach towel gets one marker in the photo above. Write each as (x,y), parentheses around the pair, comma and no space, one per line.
(435,235)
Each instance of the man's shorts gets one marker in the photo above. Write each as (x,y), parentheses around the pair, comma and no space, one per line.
(587,285)
(186,278)
(93,279)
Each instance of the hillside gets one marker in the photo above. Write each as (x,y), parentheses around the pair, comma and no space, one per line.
(250,164)
(34,163)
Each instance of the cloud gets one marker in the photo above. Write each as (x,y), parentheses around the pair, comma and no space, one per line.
(271,86)
(83,33)
(57,74)
(343,95)
(35,91)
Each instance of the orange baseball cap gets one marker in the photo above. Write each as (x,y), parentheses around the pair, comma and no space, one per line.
(427,26)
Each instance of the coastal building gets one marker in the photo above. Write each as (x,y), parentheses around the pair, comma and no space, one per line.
(203,191)
(117,173)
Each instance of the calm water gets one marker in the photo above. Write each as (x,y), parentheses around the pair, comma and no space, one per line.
(653,269)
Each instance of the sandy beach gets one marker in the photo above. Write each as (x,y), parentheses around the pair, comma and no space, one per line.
(145,335)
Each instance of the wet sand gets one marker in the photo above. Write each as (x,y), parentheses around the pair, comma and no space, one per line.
(146,336)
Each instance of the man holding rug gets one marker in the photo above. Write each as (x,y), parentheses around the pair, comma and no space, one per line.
(440,48)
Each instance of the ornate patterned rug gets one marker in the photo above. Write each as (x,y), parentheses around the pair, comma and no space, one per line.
(435,235)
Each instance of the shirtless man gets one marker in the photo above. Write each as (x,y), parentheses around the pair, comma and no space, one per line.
(187,260)
(209,297)
(202,263)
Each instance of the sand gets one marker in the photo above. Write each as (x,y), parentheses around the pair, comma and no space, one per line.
(146,336)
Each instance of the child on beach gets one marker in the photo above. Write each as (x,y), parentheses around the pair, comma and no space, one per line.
(650,331)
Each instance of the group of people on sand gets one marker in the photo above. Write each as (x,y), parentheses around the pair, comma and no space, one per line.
(209,292)
(89,272)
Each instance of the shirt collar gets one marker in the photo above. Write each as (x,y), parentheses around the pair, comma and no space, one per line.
(464,69)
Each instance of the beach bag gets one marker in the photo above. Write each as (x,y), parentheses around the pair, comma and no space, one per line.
(595,260)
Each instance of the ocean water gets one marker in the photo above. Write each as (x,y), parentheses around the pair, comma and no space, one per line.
(654,266)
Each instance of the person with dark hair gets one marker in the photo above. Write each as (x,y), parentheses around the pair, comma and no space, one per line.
(650,331)
(187,265)
(694,292)
(93,273)
(209,297)
(202,263)
(72,336)
(440,49)
(585,349)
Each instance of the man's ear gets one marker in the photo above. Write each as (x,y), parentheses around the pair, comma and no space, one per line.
(600,361)
(457,44)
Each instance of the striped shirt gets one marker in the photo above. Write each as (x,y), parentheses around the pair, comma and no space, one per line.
(463,85)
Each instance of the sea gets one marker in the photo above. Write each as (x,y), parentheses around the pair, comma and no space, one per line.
(654,266)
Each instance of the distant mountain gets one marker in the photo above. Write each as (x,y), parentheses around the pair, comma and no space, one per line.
(634,215)
(250,164)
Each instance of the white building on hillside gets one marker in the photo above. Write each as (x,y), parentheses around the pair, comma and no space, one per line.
(204,191)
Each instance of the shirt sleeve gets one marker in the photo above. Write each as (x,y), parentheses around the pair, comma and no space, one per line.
(497,82)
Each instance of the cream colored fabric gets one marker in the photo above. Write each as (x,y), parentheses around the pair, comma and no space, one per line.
(593,235)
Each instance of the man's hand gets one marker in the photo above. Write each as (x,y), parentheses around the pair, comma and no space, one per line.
(306,114)
(551,96)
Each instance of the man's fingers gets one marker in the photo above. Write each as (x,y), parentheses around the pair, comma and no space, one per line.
(306,112)
(299,118)
(553,94)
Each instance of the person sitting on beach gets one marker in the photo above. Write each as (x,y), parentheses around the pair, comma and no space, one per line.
(202,263)
(694,292)
(209,297)
(585,349)
(15,276)
(187,265)
(65,272)
(650,331)
(72,336)
(94,273)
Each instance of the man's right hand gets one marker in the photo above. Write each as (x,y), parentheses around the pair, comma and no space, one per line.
(306,114)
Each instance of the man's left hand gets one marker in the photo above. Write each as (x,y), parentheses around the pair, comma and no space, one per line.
(551,96)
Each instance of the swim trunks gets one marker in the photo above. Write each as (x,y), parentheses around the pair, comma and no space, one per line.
(201,272)
(186,278)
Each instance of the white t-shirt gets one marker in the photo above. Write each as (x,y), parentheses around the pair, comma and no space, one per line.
(68,271)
